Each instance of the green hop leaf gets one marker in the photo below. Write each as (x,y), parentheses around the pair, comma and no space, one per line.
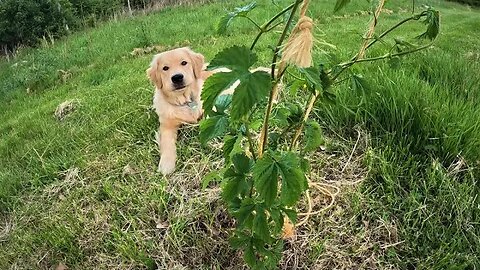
(233,184)
(234,58)
(222,103)
(265,175)
(312,77)
(244,213)
(249,255)
(358,83)
(232,145)
(293,179)
(242,163)
(313,136)
(266,172)
(213,127)
(252,88)
(227,19)
(291,214)
(215,85)
(260,225)
(432,21)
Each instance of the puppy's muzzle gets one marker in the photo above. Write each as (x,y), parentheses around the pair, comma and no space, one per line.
(178,81)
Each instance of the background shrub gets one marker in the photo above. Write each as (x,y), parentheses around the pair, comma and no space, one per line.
(24,22)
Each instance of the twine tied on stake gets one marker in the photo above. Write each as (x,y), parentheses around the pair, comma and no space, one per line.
(298,49)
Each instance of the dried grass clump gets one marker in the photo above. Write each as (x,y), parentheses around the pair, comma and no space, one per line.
(66,108)
(339,238)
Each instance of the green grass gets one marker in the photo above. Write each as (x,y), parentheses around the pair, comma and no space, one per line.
(418,152)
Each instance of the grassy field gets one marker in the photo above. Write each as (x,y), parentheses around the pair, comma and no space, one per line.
(84,191)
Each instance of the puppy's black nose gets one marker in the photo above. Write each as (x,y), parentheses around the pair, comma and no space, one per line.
(177,78)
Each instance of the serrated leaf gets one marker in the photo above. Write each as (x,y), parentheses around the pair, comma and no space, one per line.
(313,136)
(215,85)
(276,255)
(249,255)
(265,177)
(312,76)
(213,127)
(233,184)
(241,162)
(277,218)
(239,240)
(293,179)
(324,78)
(291,214)
(253,89)
(232,146)
(273,138)
(432,20)
(213,176)
(234,58)
(228,144)
(340,4)
(222,103)
(245,211)
(358,83)
(305,165)
(295,113)
(260,225)
(226,20)
(297,85)
(280,116)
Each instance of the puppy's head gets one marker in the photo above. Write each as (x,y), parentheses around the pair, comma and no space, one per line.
(176,70)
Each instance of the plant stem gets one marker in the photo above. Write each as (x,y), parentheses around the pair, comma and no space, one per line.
(256,24)
(250,141)
(388,55)
(311,102)
(263,135)
(416,17)
(272,27)
(263,28)
(287,129)
(352,60)
(371,29)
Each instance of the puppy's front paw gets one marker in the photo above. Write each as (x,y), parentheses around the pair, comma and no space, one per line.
(166,166)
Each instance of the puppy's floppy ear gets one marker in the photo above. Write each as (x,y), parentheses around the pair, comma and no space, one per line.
(198,61)
(153,74)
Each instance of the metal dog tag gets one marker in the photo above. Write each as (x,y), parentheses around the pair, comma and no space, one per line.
(193,105)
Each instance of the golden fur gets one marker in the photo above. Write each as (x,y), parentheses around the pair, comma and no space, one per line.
(173,104)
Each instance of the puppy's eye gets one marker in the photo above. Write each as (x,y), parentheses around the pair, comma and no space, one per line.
(165,68)
(184,63)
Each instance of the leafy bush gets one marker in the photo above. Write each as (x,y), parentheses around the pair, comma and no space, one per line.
(26,21)
(264,178)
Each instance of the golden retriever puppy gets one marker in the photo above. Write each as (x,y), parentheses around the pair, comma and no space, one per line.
(178,77)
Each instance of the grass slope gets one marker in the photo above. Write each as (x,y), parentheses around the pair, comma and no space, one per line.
(84,191)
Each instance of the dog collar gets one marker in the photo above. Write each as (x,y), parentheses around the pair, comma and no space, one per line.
(191,104)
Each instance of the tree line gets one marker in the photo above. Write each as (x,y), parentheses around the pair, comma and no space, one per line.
(27,22)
